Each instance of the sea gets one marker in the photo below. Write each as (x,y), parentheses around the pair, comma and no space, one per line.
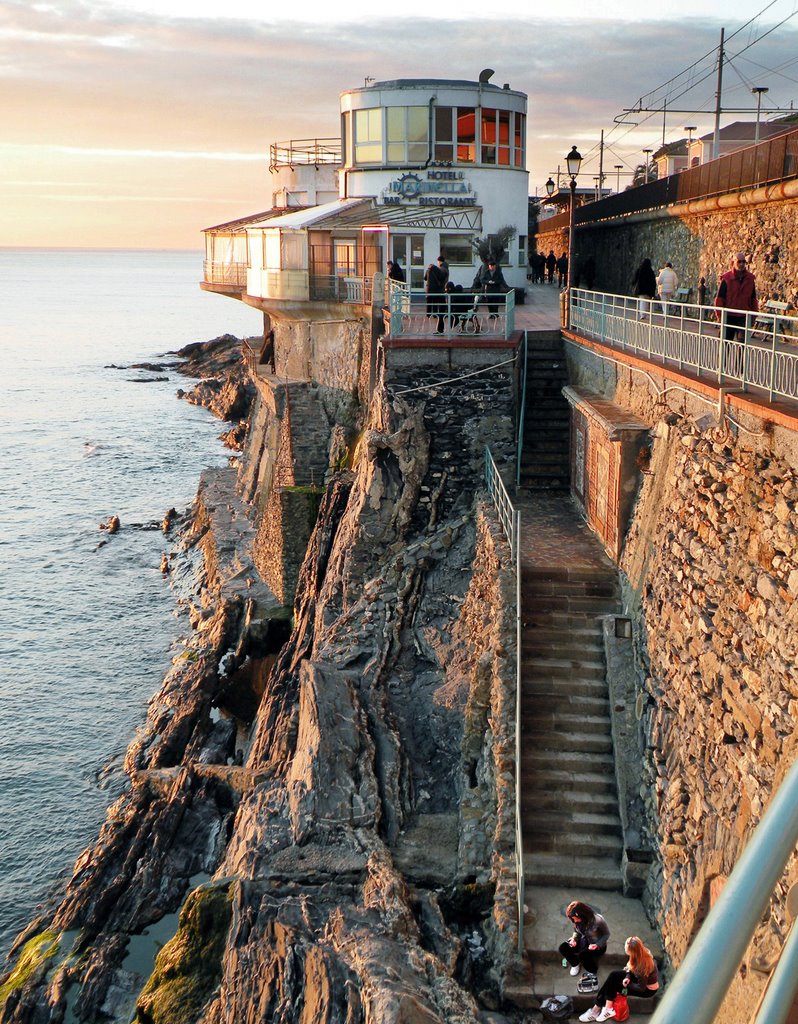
(88,623)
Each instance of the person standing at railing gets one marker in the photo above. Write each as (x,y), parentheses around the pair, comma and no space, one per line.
(435,278)
(490,283)
(667,283)
(644,287)
(639,978)
(737,291)
(395,272)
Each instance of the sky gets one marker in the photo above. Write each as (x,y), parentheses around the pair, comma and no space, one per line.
(135,124)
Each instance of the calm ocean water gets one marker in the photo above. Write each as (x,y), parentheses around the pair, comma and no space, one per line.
(86,633)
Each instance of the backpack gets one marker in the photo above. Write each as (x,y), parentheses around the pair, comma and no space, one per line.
(556,1008)
(621,1006)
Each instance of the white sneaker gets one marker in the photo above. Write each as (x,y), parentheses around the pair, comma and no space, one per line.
(606,1013)
(575,970)
(591,1014)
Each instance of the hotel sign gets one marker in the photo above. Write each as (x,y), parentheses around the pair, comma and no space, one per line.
(438,188)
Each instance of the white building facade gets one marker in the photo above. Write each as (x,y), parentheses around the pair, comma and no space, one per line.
(425,167)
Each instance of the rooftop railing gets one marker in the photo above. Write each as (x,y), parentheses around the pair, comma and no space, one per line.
(304,152)
(234,274)
(753,352)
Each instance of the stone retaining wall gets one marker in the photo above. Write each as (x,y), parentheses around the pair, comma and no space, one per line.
(698,245)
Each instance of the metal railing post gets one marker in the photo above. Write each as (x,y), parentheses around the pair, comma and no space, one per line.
(522,414)
(771,388)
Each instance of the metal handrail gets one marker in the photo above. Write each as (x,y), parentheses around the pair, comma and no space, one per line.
(510,520)
(519,448)
(702,981)
(459,314)
(762,356)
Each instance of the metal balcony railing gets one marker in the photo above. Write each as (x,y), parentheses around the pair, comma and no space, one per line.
(304,152)
(452,315)
(760,356)
(234,274)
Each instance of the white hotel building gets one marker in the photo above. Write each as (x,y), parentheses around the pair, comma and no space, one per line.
(422,167)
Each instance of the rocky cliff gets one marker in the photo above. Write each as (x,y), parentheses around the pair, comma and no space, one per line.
(319,821)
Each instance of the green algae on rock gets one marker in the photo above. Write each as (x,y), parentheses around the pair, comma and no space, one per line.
(35,954)
(189,967)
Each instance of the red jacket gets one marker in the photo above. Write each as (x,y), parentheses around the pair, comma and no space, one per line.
(737,291)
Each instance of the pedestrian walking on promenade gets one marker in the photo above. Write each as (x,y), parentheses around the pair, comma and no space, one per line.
(644,287)
(667,282)
(587,944)
(551,263)
(737,295)
(562,270)
(639,978)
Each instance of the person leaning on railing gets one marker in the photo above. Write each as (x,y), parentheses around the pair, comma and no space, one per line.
(737,291)
(490,283)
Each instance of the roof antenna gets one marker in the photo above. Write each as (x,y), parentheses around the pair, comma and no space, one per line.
(367,81)
(486,75)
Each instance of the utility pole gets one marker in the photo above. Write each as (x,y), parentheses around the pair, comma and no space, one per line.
(601,165)
(716,143)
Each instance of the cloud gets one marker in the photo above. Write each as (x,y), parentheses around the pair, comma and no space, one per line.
(83,78)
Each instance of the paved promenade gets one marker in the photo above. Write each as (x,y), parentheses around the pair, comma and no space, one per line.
(541,311)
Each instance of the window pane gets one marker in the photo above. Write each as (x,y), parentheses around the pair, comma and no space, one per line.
(396,152)
(504,138)
(488,136)
(368,135)
(520,129)
(417,152)
(443,124)
(457,249)
(396,124)
(444,152)
(466,135)
(417,124)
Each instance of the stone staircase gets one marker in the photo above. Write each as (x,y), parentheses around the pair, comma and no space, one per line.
(571,825)
(545,454)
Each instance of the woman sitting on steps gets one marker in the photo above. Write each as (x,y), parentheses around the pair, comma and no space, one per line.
(586,945)
(639,978)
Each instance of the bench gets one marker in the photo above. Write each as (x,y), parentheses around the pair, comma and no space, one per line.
(682,294)
(763,326)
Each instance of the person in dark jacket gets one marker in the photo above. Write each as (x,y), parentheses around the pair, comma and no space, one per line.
(551,263)
(562,270)
(737,291)
(587,944)
(644,286)
(639,978)
(490,283)
(435,278)
(395,272)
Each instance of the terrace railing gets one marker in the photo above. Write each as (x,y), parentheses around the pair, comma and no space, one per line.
(452,315)
(761,356)
(510,521)
(234,274)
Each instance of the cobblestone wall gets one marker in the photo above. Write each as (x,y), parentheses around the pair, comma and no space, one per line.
(712,559)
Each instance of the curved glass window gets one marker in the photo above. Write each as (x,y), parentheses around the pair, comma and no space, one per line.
(466,135)
(368,136)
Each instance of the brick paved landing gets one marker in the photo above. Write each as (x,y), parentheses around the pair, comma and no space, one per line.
(553,534)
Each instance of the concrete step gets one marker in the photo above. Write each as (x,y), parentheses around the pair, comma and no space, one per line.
(574,870)
(539,737)
(578,801)
(552,690)
(593,844)
(559,644)
(575,705)
(537,777)
(557,821)
(563,721)
(559,619)
(567,761)
(549,979)
(578,663)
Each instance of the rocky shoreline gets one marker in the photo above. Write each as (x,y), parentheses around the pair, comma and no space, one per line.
(323,797)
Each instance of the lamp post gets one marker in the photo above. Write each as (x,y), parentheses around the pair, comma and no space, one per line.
(618,169)
(647,154)
(550,187)
(573,162)
(757,91)
(689,128)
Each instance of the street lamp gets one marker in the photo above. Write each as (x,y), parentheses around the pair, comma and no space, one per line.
(689,128)
(573,162)
(618,169)
(647,153)
(550,187)
(757,91)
